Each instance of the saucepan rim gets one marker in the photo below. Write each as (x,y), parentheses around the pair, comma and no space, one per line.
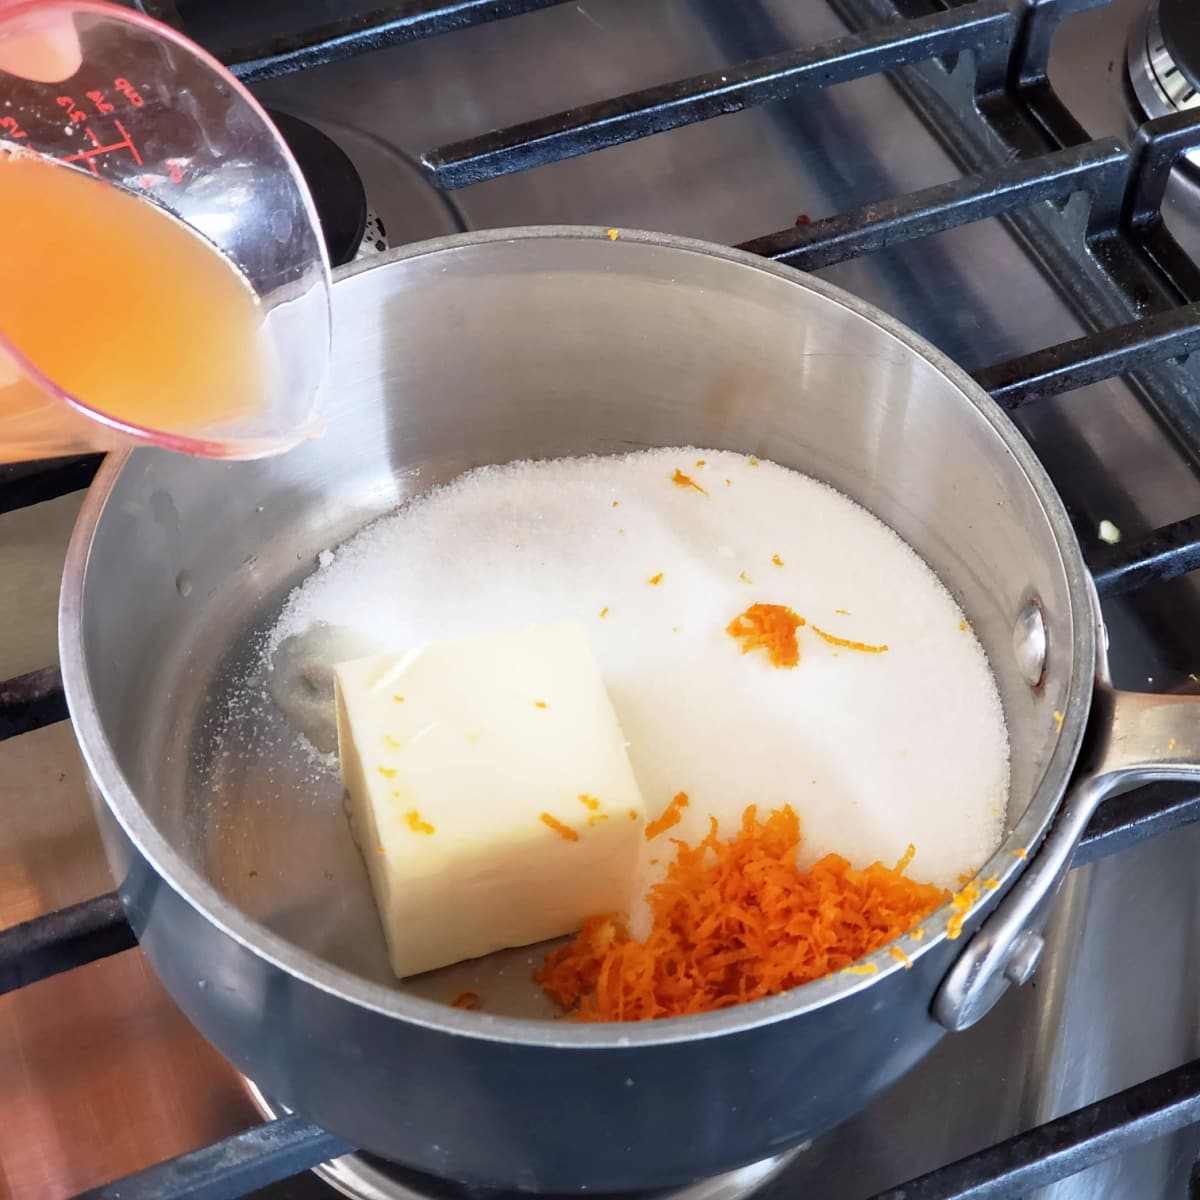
(1004,865)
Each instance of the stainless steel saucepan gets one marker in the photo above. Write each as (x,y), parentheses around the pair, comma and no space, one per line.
(233,855)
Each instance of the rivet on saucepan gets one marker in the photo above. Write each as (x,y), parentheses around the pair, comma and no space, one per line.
(1024,957)
(1030,642)
(183,584)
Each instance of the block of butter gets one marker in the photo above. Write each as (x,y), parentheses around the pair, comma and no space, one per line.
(490,792)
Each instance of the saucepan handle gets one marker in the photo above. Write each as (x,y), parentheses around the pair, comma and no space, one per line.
(1134,738)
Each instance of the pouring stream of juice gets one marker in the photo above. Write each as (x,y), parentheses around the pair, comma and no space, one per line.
(123,308)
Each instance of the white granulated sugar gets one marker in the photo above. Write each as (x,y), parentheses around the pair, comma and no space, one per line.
(872,750)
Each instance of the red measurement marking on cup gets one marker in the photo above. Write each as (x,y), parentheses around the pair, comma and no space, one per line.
(103,107)
(73,110)
(129,92)
(99,150)
(9,125)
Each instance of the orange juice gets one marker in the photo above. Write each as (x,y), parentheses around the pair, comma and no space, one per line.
(121,306)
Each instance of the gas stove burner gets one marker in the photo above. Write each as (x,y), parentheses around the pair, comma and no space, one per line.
(369,195)
(1164,58)
(362,1176)
(375,239)
(336,187)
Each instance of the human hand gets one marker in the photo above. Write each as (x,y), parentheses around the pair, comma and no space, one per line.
(38,40)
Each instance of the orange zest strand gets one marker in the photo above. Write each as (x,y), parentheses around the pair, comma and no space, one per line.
(468,1000)
(589,802)
(769,627)
(416,824)
(834,640)
(563,831)
(777,560)
(540,704)
(735,921)
(655,580)
(387,772)
(961,903)
(668,817)
(679,479)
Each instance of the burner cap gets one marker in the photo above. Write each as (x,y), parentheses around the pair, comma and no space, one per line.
(1180,26)
(337,190)
(1164,58)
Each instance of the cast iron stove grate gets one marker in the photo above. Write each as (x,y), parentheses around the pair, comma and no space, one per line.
(976,70)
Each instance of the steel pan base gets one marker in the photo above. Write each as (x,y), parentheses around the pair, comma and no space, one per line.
(362,1176)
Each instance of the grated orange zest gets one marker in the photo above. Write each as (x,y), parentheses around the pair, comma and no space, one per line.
(848,643)
(668,817)
(735,921)
(769,627)
(961,902)
(679,479)
(416,824)
(564,831)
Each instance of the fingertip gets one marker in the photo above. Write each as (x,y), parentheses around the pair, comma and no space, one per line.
(38,45)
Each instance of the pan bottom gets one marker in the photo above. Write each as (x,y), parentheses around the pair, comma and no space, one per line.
(362,1176)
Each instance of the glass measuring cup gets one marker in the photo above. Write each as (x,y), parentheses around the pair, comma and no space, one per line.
(144,111)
